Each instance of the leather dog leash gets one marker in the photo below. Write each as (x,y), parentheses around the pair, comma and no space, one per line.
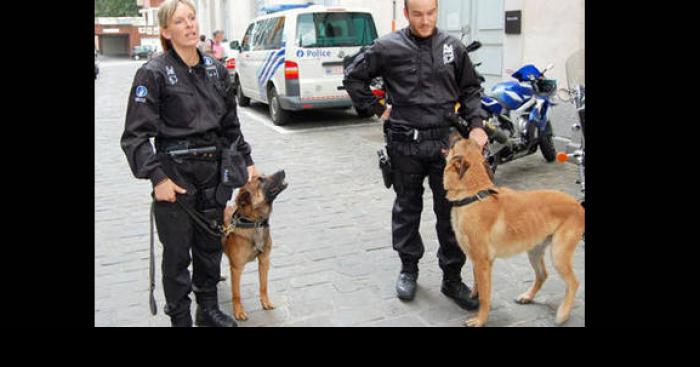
(200,220)
(152,269)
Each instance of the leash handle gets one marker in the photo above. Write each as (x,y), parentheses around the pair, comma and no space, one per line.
(152,268)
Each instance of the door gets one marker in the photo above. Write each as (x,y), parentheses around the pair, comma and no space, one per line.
(114,45)
(481,20)
(243,66)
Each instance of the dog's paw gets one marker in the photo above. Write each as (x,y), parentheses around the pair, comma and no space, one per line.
(523,299)
(562,316)
(474,323)
(267,305)
(241,315)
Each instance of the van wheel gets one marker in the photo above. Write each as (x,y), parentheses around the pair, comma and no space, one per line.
(279,116)
(243,101)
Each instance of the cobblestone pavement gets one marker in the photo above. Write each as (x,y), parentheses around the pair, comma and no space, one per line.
(332,260)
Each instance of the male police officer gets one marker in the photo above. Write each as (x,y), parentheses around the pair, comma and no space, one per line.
(426,72)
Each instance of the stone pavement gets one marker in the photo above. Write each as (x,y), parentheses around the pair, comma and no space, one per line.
(332,260)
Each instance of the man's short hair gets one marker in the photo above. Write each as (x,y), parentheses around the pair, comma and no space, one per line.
(405,3)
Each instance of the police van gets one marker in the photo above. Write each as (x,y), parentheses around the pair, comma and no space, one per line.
(292,59)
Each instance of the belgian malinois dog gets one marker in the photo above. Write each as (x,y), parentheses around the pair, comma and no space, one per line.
(491,222)
(246,219)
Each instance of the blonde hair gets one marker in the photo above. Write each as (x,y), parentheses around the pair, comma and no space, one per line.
(165,13)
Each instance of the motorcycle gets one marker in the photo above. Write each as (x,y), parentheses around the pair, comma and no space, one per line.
(518,115)
(576,94)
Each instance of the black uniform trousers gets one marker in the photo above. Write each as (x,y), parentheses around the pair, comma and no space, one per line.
(411,163)
(180,234)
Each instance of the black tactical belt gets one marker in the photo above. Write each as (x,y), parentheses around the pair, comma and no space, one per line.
(416,135)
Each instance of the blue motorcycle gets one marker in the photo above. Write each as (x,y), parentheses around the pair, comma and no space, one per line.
(518,122)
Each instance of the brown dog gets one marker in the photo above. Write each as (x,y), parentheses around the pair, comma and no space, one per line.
(248,234)
(505,222)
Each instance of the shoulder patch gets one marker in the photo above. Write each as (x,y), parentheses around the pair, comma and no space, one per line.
(141,91)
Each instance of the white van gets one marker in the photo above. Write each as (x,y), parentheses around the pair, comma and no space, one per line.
(293,60)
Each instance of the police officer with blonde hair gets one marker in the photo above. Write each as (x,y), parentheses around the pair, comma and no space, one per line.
(183,100)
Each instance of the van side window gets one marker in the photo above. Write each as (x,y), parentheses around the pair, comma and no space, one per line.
(261,30)
(274,39)
(246,45)
(335,30)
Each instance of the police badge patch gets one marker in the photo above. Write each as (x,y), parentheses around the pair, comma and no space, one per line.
(141,93)
(448,54)
(172,78)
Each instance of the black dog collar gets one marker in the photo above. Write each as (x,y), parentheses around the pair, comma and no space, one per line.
(481,195)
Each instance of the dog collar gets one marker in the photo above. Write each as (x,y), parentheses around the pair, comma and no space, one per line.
(241,222)
(481,195)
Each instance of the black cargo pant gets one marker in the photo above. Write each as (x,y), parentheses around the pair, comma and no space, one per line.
(180,234)
(411,163)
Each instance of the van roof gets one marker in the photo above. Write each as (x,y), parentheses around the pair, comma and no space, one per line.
(312,9)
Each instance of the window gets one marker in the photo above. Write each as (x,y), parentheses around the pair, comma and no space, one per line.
(273,38)
(246,45)
(335,30)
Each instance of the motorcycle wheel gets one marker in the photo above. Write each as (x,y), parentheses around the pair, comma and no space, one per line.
(549,152)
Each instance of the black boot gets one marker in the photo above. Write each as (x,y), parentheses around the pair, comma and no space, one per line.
(211,316)
(184,320)
(460,293)
(406,285)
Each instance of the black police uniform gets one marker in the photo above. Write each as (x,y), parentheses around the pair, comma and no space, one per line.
(424,79)
(184,108)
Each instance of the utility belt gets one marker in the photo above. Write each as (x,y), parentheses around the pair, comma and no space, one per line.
(197,147)
(400,133)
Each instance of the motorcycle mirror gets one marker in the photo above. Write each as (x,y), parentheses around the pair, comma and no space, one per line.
(475,45)
(564,95)
(548,68)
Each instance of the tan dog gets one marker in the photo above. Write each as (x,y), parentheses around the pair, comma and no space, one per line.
(248,234)
(506,222)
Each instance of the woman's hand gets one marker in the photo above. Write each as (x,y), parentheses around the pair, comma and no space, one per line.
(166,190)
(252,172)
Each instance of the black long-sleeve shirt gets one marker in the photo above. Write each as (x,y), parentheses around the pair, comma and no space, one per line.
(424,78)
(170,100)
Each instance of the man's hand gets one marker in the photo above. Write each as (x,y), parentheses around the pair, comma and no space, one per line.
(252,172)
(166,190)
(479,135)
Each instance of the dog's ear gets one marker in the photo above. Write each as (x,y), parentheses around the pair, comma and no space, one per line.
(244,198)
(488,170)
(460,164)
(463,167)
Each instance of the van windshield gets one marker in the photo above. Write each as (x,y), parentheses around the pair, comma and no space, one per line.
(335,30)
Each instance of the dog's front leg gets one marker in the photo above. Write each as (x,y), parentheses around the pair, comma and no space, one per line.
(263,269)
(238,312)
(482,274)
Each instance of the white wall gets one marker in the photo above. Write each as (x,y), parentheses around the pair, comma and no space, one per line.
(551,31)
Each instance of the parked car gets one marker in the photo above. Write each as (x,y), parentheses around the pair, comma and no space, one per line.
(230,57)
(142,52)
(293,59)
